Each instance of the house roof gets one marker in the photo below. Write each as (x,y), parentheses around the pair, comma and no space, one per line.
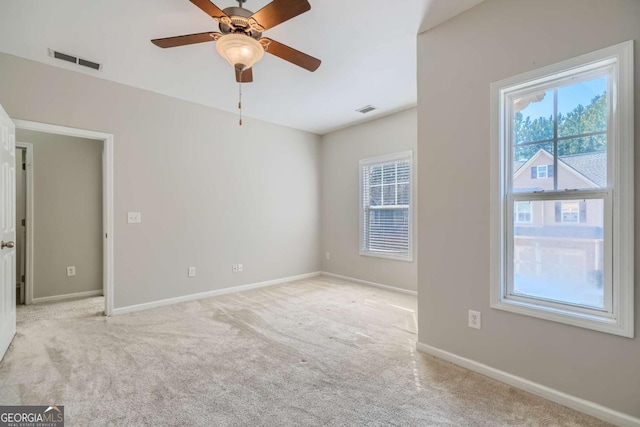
(592,166)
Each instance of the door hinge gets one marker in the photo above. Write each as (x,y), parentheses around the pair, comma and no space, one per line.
(105,236)
(24,166)
(24,223)
(22,278)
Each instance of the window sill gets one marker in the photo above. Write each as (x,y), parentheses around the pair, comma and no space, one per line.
(588,321)
(387,256)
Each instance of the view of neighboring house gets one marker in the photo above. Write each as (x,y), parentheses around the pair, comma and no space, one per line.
(561,241)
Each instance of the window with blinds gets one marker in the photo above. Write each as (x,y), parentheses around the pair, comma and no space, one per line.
(385,200)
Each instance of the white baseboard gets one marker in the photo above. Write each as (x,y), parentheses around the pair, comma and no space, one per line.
(582,405)
(86,294)
(367,283)
(208,294)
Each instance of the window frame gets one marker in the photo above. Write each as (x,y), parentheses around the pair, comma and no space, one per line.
(544,168)
(381,161)
(618,196)
(562,211)
(517,212)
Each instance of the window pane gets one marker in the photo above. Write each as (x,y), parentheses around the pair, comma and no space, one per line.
(583,107)
(403,194)
(389,173)
(375,195)
(560,257)
(389,230)
(389,194)
(376,175)
(532,117)
(525,173)
(403,172)
(580,169)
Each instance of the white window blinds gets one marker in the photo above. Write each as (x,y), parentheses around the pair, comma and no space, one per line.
(385,221)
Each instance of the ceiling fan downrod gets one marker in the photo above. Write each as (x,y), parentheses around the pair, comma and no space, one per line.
(240,98)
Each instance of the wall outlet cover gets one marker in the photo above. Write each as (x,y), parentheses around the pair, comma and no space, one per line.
(327,255)
(234,268)
(240,268)
(192,272)
(475,319)
(71,270)
(134,217)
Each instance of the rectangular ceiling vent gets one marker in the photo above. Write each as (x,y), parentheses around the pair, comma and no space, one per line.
(75,60)
(367,109)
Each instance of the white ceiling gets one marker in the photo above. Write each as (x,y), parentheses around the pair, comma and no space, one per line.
(367,48)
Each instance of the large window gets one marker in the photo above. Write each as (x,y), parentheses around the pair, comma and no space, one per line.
(385,200)
(563,149)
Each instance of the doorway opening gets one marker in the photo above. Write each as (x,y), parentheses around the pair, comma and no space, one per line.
(64,235)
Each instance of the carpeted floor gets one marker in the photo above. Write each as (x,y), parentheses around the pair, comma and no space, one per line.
(313,352)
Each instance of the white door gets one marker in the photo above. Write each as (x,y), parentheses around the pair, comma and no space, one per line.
(7,231)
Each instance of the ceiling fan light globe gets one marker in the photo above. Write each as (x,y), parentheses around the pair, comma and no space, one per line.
(240,50)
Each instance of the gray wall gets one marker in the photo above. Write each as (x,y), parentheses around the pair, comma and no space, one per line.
(457,61)
(211,193)
(67,213)
(341,152)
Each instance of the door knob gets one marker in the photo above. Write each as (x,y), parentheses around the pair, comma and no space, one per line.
(6,245)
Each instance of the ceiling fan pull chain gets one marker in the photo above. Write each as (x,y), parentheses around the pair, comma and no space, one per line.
(240,97)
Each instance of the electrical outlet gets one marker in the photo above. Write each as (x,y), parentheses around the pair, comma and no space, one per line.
(475,319)
(192,272)
(71,270)
(134,217)
(240,268)
(327,255)
(234,268)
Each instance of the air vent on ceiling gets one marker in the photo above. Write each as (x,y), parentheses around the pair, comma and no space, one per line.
(75,60)
(367,109)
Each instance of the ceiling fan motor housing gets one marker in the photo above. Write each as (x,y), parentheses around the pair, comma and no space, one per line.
(239,17)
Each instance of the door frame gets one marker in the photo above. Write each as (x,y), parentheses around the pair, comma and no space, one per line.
(107,204)
(28,187)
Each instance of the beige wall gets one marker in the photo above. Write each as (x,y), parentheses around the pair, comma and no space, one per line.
(457,61)
(67,213)
(341,152)
(211,193)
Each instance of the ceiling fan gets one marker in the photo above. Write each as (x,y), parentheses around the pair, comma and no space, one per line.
(240,40)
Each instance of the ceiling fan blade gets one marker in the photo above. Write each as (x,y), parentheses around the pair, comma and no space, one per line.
(247,76)
(279,11)
(290,54)
(209,8)
(186,39)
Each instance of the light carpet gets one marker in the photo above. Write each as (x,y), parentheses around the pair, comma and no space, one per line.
(312,352)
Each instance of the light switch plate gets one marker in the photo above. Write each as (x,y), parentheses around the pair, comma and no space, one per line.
(134,217)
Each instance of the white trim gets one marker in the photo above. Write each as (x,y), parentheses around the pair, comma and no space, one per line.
(367,283)
(107,196)
(619,257)
(209,294)
(570,401)
(76,295)
(29,221)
